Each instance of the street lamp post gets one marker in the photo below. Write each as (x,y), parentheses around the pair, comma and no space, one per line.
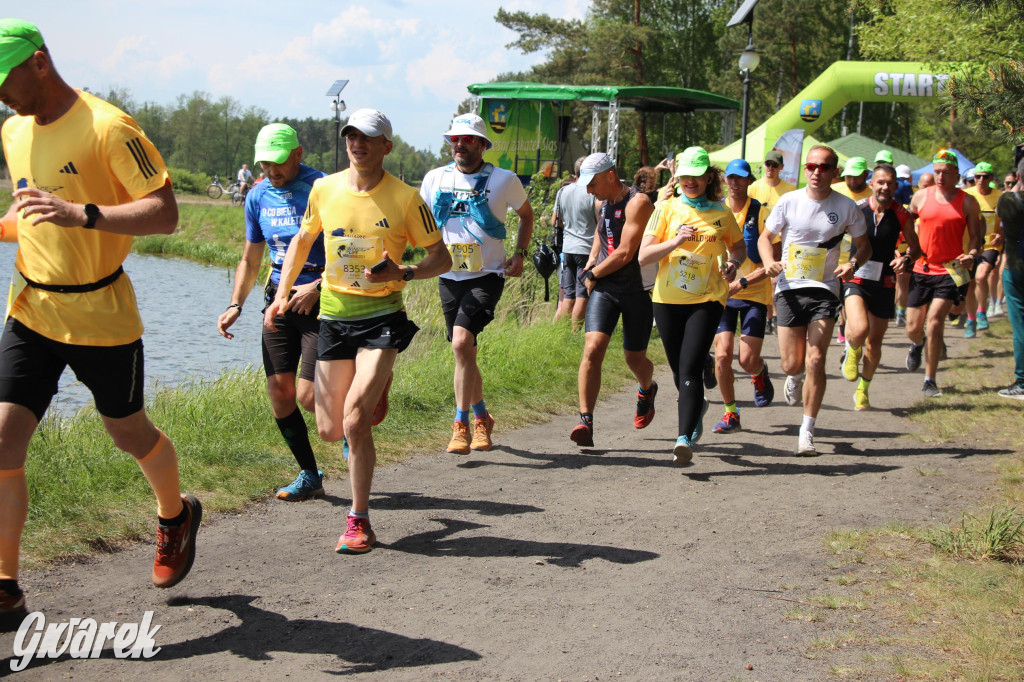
(749,59)
(337,106)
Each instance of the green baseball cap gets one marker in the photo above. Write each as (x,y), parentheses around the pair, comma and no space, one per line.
(692,161)
(855,165)
(984,167)
(275,142)
(884,156)
(18,41)
(946,156)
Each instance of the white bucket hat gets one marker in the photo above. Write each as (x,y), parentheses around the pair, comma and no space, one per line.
(468,124)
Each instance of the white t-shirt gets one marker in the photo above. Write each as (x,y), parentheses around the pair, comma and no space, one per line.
(474,252)
(806,225)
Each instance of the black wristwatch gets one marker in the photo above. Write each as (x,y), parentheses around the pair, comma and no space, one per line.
(590,275)
(408,275)
(92,212)
(743,282)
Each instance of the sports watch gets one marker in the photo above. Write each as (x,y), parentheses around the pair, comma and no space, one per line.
(408,275)
(523,252)
(92,212)
(744,282)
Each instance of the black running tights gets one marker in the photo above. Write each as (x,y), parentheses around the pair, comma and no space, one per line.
(687,332)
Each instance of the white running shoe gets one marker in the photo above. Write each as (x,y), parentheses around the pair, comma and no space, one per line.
(794,390)
(805,446)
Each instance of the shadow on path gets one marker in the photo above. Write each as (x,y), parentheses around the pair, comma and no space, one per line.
(437,543)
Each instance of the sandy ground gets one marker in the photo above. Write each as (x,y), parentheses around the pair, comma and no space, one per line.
(540,561)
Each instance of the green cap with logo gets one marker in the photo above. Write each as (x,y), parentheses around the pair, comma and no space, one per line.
(946,156)
(692,161)
(855,165)
(275,142)
(18,41)
(884,156)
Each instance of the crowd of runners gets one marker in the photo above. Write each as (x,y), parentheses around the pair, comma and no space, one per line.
(711,253)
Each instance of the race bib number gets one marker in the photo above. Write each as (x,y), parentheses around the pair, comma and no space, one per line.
(18,285)
(991,219)
(466,257)
(346,258)
(871,270)
(806,262)
(689,272)
(960,274)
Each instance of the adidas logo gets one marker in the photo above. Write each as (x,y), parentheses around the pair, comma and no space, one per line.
(382,223)
(69,169)
(464,266)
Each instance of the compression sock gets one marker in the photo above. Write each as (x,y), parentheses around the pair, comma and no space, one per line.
(296,435)
(808,424)
(13,513)
(462,415)
(731,407)
(479,410)
(160,466)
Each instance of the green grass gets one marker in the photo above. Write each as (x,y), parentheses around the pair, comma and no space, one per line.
(209,233)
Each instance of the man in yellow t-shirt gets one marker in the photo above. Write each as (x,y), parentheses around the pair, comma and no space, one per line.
(87,180)
(368,217)
(991,249)
(749,295)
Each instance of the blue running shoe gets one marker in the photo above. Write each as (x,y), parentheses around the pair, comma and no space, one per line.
(982,321)
(344,448)
(730,422)
(698,430)
(764,392)
(306,485)
(682,453)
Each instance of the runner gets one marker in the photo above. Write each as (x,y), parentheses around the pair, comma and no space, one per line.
(372,216)
(988,266)
(1011,211)
(942,272)
(904,193)
(926,180)
(869,298)
(73,304)
(689,236)
(1009,181)
(767,190)
(905,190)
(855,186)
(273,213)
(812,223)
(575,215)
(748,300)
(616,288)
(470,199)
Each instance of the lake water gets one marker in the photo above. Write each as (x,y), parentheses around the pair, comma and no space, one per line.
(179,301)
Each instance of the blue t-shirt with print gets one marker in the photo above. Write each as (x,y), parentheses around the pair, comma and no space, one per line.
(274,215)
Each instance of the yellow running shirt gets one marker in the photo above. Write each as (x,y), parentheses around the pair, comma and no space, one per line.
(761,291)
(768,195)
(690,274)
(988,217)
(358,227)
(97,154)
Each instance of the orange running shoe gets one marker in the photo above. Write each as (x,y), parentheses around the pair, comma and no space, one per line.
(459,443)
(482,433)
(176,546)
(358,537)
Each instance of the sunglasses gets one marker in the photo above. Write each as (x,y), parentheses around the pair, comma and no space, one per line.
(1009,183)
(823,167)
(982,176)
(463,139)
(771,164)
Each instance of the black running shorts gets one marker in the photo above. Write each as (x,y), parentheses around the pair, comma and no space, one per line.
(924,288)
(342,340)
(800,307)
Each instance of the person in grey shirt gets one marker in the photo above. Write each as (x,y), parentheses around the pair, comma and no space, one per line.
(575,216)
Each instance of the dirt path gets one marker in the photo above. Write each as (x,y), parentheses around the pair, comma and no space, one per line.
(536,561)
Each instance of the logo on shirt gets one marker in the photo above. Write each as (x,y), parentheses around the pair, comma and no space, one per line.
(618,213)
(382,223)
(833,218)
(69,169)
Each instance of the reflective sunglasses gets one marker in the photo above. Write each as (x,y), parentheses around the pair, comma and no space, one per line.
(464,139)
(823,167)
(771,164)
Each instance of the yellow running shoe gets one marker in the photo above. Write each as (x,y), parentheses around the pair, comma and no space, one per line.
(459,443)
(482,433)
(860,399)
(851,363)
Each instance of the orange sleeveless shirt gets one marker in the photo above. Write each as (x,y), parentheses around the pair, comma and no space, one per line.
(940,229)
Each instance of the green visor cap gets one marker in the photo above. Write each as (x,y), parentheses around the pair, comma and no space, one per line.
(275,142)
(984,167)
(855,165)
(692,161)
(18,41)
(947,157)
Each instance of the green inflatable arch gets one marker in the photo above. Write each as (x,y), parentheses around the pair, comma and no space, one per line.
(837,86)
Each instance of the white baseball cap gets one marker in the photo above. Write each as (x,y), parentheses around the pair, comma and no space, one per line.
(369,122)
(593,165)
(468,124)
(903,171)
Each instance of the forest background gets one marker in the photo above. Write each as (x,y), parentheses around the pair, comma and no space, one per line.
(685,43)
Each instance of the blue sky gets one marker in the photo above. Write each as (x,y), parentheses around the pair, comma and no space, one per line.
(412,59)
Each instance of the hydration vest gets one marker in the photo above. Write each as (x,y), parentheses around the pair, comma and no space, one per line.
(478,208)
